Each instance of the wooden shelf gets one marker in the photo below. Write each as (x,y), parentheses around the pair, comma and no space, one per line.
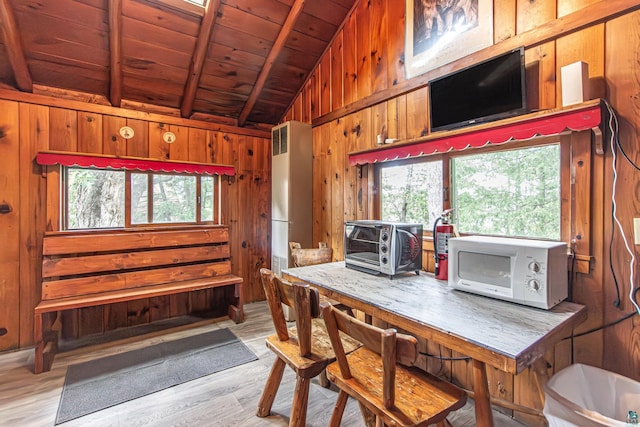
(585,116)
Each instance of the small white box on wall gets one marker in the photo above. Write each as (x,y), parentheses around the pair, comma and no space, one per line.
(575,83)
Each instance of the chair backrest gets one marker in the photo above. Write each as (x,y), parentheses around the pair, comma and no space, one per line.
(391,346)
(300,297)
(302,257)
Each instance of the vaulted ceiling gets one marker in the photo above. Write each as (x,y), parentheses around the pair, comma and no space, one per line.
(242,61)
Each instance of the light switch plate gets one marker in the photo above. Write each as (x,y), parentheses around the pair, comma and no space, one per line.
(636,231)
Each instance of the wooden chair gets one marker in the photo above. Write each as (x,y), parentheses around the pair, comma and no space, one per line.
(381,377)
(302,257)
(305,348)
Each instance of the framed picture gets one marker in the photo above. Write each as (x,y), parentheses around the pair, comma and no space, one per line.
(440,31)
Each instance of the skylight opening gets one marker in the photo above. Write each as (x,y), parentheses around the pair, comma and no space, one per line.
(198,2)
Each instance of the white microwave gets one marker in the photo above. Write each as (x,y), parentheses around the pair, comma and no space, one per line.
(529,272)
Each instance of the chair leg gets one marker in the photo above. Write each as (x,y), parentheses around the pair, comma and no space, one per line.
(298,417)
(338,410)
(368,417)
(323,380)
(271,388)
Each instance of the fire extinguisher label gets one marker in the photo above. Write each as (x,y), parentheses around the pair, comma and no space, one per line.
(443,242)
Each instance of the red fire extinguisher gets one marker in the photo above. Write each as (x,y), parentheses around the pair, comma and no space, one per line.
(441,235)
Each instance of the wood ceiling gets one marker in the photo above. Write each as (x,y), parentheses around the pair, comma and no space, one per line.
(237,61)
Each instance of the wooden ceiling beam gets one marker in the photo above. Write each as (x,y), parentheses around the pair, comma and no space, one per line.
(287,28)
(199,55)
(11,39)
(115,47)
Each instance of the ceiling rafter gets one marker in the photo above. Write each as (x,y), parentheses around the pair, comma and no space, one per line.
(285,31)
(13,44)
(115,47)
(199,55)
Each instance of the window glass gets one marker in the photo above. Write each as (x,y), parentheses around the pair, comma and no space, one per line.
(174,198)
(99,198)
(95,198)
(206,198)
(509,192)
(412,192)
(139,198)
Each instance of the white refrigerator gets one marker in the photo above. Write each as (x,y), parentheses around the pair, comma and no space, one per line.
(291,191)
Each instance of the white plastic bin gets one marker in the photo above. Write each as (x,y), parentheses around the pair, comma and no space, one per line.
(585,396)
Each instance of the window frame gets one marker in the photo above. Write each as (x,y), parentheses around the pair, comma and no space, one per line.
(217,194)
(566,183)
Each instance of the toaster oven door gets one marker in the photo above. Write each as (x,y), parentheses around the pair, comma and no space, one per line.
(362,247)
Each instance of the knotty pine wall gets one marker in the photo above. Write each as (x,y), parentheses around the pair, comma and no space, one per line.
(359,90)
(31,123)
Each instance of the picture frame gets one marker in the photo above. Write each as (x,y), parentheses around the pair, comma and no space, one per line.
(440,31)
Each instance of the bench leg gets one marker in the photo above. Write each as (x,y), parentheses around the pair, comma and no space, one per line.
(235,311)
(46,338)
(37,335)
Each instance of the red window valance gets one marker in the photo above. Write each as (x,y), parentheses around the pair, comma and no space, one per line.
(582,117)
(131,163)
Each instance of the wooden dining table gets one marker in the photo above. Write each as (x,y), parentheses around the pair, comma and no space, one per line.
(505,335)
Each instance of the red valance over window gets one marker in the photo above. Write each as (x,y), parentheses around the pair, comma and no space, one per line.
(582,117)
(131,163)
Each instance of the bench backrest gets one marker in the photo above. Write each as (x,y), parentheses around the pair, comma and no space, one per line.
(82,263)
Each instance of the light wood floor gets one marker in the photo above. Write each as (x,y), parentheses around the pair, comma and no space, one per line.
(227,398)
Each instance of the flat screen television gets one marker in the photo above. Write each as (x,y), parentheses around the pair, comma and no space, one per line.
(490,90)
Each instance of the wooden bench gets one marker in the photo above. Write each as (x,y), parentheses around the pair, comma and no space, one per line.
(84,269)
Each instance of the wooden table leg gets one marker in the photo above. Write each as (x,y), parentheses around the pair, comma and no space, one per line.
(484,416)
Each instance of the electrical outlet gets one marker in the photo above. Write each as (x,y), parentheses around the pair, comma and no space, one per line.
(636,231)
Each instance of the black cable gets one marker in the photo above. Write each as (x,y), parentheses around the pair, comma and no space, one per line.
(614,134)
(616,302)
(616,138)
(599,328)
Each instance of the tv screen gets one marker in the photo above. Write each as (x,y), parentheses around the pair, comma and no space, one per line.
(490,90)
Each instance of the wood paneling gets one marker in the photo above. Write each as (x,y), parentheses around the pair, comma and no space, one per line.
(337,74)
(349,69)
(10,222)
(395,43)
(325,86)
(504,20)
(34,137)
(531,14)
(378,51)
(363,49)
(565,7)
(541,76)
(587,46)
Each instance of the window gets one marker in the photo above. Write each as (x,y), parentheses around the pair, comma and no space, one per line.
(412,192)
(512,192)
(103,198)
(95,198)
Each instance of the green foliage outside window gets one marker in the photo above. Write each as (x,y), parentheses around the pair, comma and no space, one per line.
(507,192)
(174,198)
(412,193)
(510,193)
(95,198)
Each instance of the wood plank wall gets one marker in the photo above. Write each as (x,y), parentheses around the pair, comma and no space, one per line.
(31,123)
(362,74)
